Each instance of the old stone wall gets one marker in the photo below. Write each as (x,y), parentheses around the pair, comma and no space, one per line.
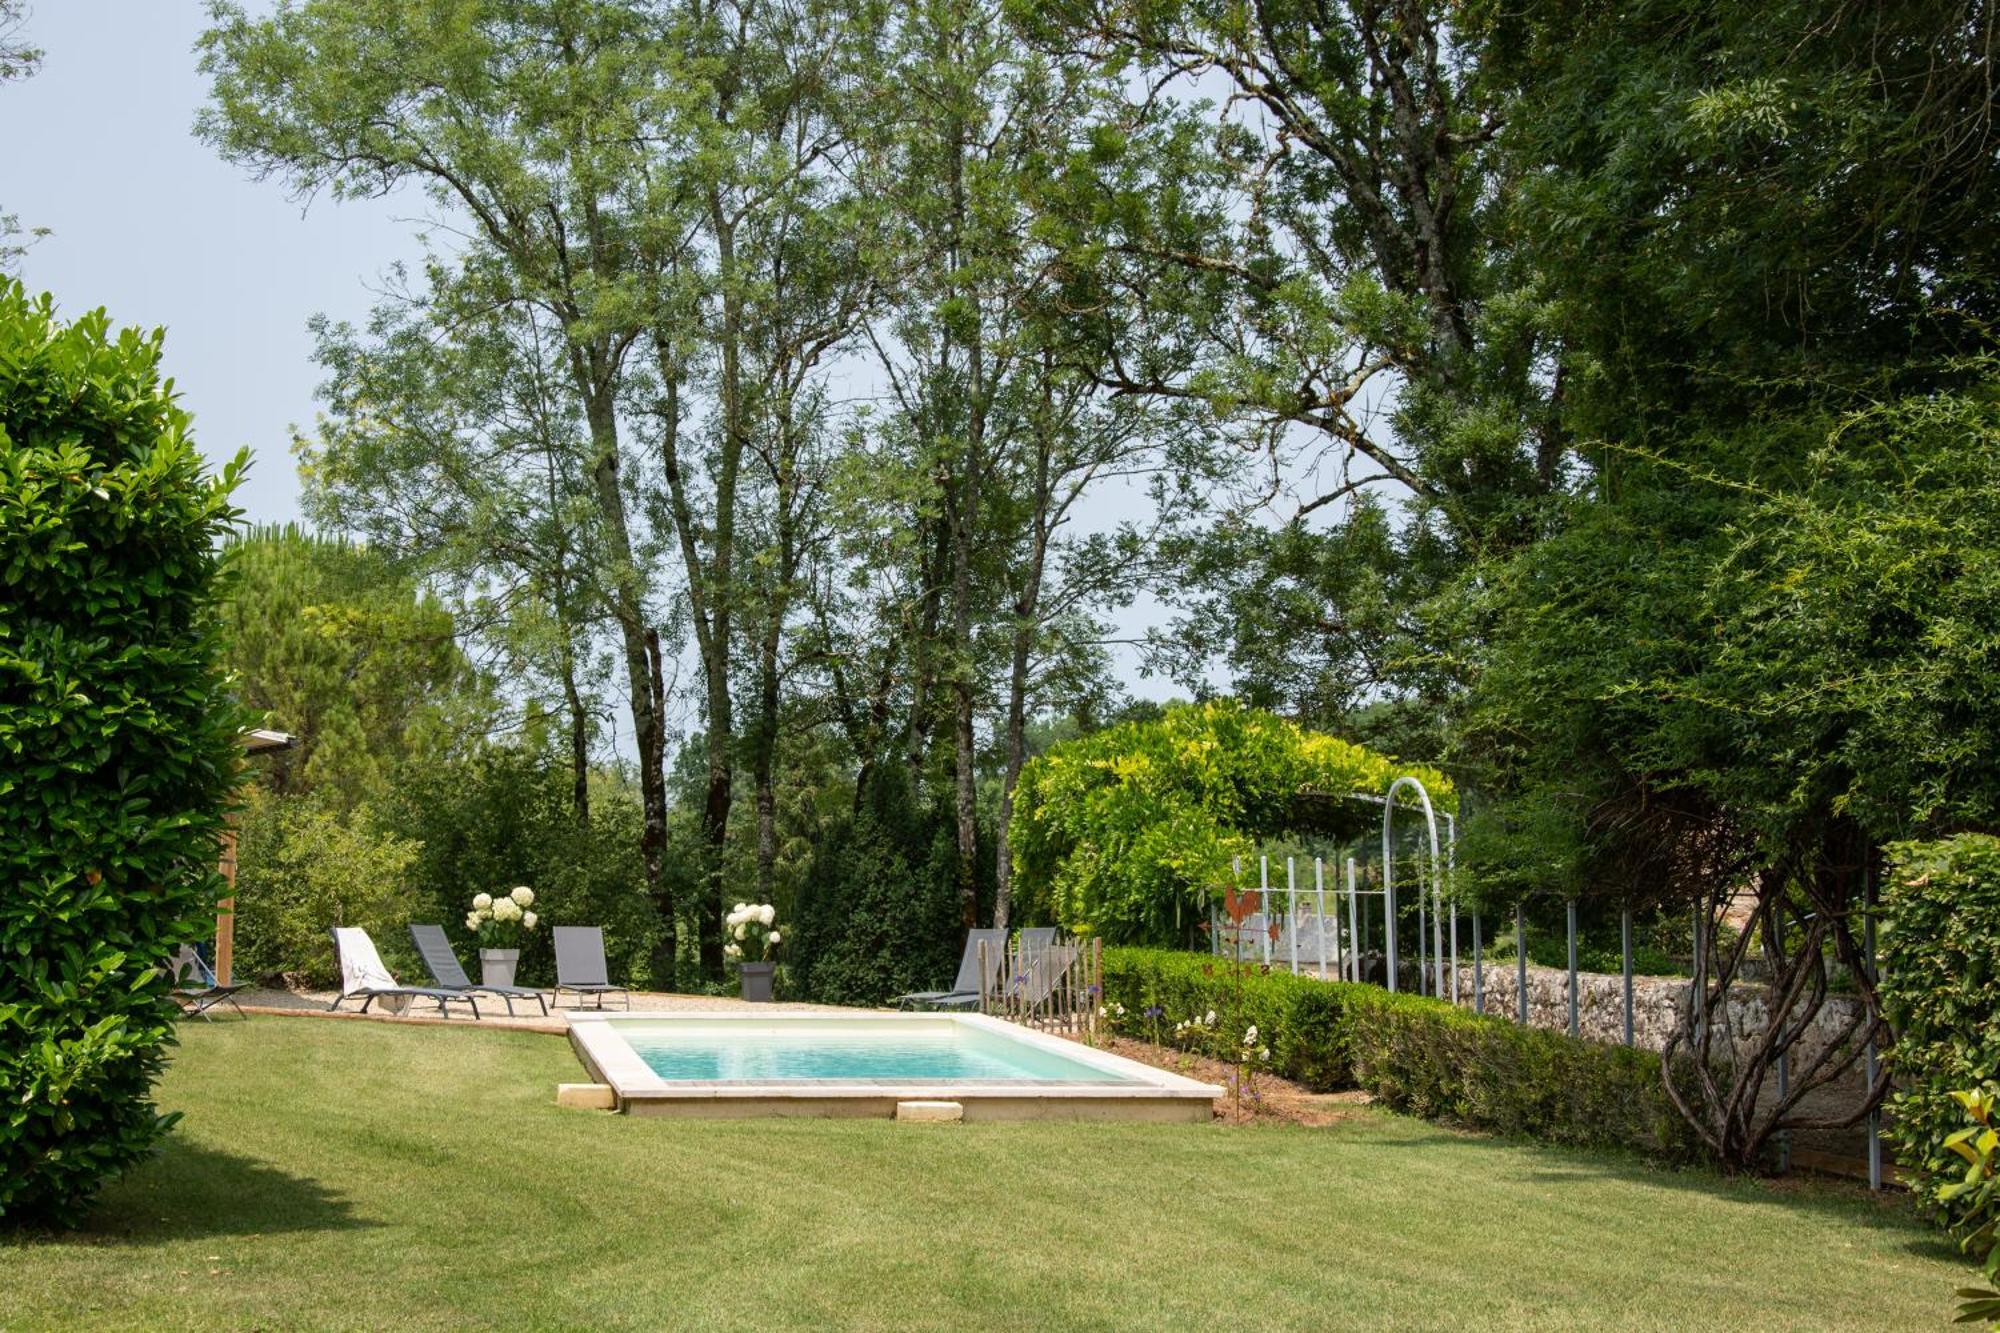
(1656,1006)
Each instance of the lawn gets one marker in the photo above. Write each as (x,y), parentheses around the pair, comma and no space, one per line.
(369,1176)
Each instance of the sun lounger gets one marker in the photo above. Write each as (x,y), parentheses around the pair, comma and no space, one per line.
(195,990)
(580,966)
(443,965)
(362,973)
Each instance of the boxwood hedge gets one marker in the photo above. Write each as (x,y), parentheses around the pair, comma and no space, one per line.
(118,742)
(1415,1054)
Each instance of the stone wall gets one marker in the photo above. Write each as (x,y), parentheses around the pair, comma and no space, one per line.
(1656,1005)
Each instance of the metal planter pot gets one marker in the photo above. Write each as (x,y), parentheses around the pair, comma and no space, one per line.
(496,966)
(757,981)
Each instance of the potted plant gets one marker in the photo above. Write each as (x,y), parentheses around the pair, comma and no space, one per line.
(753,939)
(502,925)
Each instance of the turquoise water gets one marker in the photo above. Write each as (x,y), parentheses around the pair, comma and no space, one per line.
(692,1050)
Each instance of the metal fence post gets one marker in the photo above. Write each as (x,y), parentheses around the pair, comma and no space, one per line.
(1625,936)
(1478,969)
(1319,892)
(1572,967)
(1292,908)
(1868,943)
(1521,961)
(1354,945)
(1264,900)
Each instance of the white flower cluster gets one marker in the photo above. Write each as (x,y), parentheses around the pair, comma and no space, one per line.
(747,921)
(513,906)
(1195,1024)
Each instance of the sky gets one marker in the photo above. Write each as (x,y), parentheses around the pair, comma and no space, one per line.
(149,222)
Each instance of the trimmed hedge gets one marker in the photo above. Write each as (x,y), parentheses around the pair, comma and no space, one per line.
(1415,1054)
(1940,991)
(118,745)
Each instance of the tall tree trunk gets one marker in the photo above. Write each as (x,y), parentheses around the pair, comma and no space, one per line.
(640,672)
(923,649)
(721,716)
(964,512)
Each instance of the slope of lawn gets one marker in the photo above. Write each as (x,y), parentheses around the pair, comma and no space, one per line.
(369,1176)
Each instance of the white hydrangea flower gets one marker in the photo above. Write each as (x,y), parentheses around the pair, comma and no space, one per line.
(732,951)
(775,937)
(523,896)
(1250,1035)
(472,921)
(482,901)
(739,909)
(528,920)
(739,931)
(1209,1021)
(767,914)
(504,909)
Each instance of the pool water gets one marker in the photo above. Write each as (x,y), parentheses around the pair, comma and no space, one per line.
(734,1052)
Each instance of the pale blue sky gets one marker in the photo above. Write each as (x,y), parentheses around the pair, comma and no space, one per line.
(149,223)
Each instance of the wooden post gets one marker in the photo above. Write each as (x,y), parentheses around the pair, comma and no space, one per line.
(225,910)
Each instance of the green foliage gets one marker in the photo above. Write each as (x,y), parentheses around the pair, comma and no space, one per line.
(118,746)
(1128,833)
(878,914)
(1416,1054)
(1975,1198)
(304,866)
(503,817)
(340,650)
(1940,990)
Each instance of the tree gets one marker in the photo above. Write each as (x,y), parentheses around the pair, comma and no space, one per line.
(330,643)
(532,126)
(1695,675)
(452,442)
(119,743)
(18,60)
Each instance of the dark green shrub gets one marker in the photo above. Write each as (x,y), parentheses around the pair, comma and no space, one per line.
(505,817)
(118,742)
(1941,993)
(1418,1055)
(878,914)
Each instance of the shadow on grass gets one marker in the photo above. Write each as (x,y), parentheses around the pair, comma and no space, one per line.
(191,1191)
(1558,1165)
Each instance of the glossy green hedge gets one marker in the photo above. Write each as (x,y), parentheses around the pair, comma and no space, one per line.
(1415,1054)
(1940,991)
(1125,833)
(117,742)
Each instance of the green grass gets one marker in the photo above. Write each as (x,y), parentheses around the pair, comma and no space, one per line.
(359,1175)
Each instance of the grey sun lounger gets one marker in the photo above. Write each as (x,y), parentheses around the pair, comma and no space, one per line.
(580,966)
(965,990)
(362,973)
(194,988)
(443,965)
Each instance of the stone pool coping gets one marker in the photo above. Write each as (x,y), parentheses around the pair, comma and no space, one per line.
(1141,1091)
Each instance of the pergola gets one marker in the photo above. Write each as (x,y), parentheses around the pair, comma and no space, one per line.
(254,742)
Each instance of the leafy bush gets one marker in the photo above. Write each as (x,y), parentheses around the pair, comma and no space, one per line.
(504,817)
(1125,833)
(1975,1198)
(118,744)
(302,866)
(878,916)
(1416,1054)
(1940,991)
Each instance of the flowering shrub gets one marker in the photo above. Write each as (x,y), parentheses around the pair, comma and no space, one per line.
(1125,833)
(753,933)
(503,922)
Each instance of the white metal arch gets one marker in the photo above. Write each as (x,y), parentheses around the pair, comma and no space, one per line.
(1389,878)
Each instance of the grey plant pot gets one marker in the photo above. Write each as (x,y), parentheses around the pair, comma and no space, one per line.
(496,966)
(757,981)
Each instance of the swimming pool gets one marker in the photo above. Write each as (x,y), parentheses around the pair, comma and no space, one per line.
(865,1063)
